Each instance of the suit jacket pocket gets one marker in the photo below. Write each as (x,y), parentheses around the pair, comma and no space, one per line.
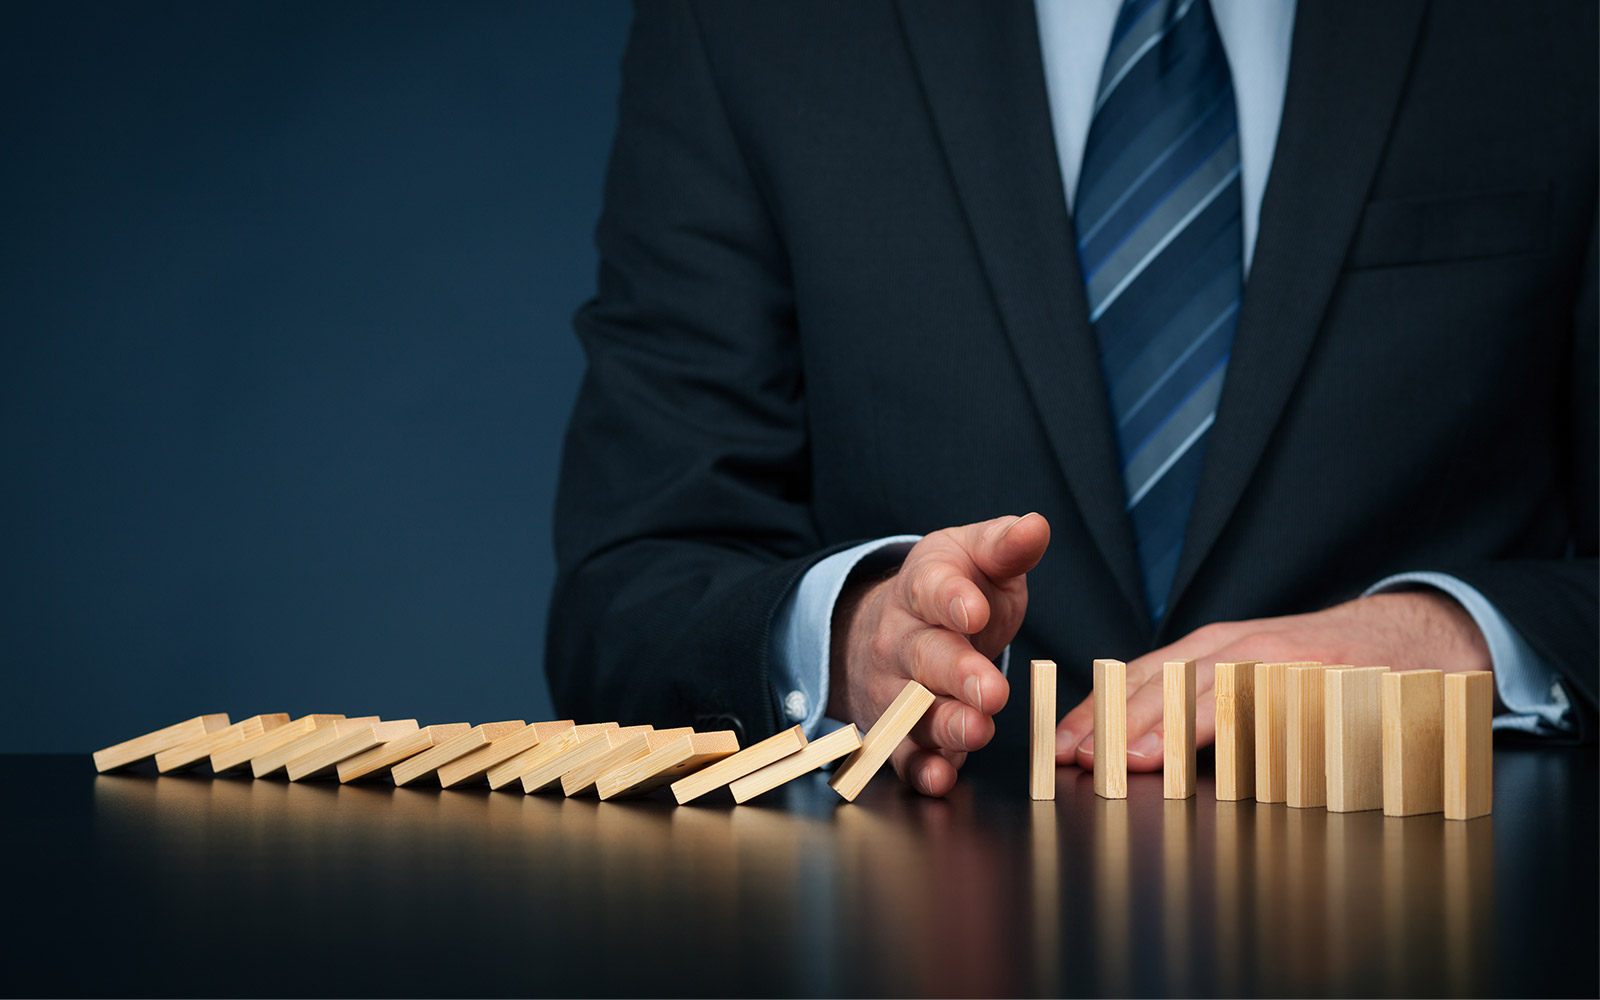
(1450,227)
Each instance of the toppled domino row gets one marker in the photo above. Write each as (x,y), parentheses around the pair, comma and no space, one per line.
(602,759)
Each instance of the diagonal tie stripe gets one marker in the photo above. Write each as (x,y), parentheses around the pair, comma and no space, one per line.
(1160,243)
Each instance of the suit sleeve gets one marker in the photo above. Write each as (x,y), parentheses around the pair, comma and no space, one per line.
(682,517)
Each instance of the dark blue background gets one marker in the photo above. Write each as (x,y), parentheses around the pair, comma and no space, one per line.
(286,353)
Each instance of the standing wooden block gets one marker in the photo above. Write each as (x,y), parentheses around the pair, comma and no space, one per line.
(880,741)
(1177,729)
(375,763)
(1111,729)
(1235,691)
(1272,731)
(1305,740)
(325,760)
(278,758)
(238,756)
(747,761)
(582,778)
(511,771)
(1041,732)
(546,775)
(816,753)
(1468,744)
(682,756)
(476,764)
(146,746)
(1354,738)
(188,754)
(1413,742)
(429,761)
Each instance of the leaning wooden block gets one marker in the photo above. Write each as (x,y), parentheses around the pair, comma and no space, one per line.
(146,746)
(747,761)
(512,770)
(1177,727)
(1305,743)
(816,753)
(892,727)
(476,764)
(1468,744)
(1272,730)
(429,761)
(238,756)
(582,778)
(1111,729)
(682,756)
(546,776)
(278,759)
(1041,732)
(1235,687)
(375,763)
(198,749)
(324,760)
(1353,737)
(1413,742)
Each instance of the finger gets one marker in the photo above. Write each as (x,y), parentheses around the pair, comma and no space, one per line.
(953,725)
(946,664)
(927,771)
(1007,547)
(1142,729)
(1074,727)
(942,592)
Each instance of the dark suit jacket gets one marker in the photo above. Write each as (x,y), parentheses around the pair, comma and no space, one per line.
(839,299)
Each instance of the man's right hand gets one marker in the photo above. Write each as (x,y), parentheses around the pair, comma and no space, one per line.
(941,620)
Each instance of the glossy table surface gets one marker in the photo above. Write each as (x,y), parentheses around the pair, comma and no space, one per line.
(133,884)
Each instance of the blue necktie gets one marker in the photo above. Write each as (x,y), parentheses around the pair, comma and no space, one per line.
(1161,245)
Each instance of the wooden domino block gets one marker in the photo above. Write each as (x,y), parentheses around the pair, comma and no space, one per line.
(429,761)
(325,760)
(1235,688)
(1413,742)
(475,765)
(375,763)
(147,746)
(511,771)
(747,761)
(277,759)
(1305,742)
(1041,732)
(1468,744)
(1272,730)
(1111,729)
(1177,727)
(546,776)
(892,727)
(1353,738)
(582,779)
(186,755)
(238,756)
(682,756)
(780,772)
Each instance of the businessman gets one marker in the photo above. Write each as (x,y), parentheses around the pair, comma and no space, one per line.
(1276,320)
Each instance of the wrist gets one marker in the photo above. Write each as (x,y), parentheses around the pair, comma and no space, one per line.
(1440,629)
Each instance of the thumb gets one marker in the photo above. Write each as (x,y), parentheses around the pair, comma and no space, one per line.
(1008,547)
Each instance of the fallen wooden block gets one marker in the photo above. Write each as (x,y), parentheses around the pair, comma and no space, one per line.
(147,746)
(1354,738)
(816,753)
(682,756)
(429,761)
(1304,737)
(512,770)
(747,761)
(581,778)
(1177,729)
(375,763)
(1041,732)
(1413,742)
(892,727)
(278,758)
(1111,729)
(476,764)
(1468,744)
(1234,688)
(1272,730)
(238,756)
(186,755)
(546,776)
(325,760)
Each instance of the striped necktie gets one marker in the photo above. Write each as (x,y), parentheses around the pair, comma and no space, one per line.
(1161,245)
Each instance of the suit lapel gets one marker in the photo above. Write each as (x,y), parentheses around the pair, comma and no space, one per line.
(1347,69)
(983,79)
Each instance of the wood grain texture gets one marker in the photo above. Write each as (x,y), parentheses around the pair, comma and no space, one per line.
(238,756)
(147,746)
(1272,730)
(510,772)
(277,759)
(1468,744)
(375,763)
(747,761)
(816,753)
(1177,728)
(186,755)
(682,756)
(475,766)
(429,761)
(1413,742)
(1305,742)
(546,776)
(1042,731)
(1235,695)
(1111,729)
(892,727)
(324,760)
(581,780)
(1353,738)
